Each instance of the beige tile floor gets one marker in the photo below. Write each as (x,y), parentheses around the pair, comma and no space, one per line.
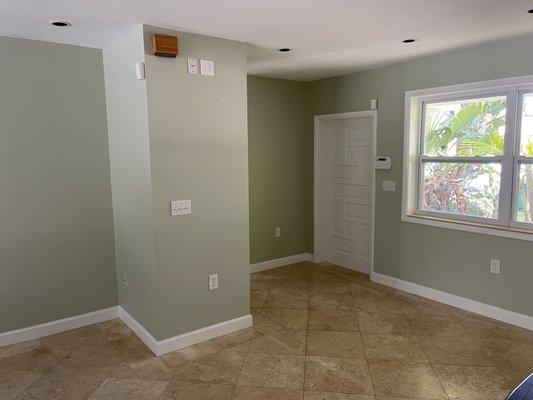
(320,333)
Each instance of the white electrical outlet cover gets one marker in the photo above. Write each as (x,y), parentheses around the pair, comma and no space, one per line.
(192,65)
(495,266)
(389,186)
(207,67)
(180,207)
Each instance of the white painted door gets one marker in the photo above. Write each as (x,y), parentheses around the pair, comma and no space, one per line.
(349,192)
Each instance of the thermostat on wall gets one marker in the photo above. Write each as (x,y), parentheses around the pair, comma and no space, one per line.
(383,162)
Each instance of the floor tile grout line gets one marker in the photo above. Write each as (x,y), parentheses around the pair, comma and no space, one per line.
(306,333)
(240,371)
(465,365)
(248,347)
(40,378)
(306,343)
(364,349)
(62,359)
(431,365)
(417,340)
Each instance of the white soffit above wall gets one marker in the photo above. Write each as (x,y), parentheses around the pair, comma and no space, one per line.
(327,37)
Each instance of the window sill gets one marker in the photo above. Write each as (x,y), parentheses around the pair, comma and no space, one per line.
(511,233)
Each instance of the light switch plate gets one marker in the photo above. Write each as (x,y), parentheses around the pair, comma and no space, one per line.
(140,71)
(207,67)
(192,65)
(389,186)
(180,207)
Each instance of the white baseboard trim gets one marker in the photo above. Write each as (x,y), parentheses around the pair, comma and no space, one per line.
(511,317)
(141,332)
(186,339)
(157,347)
(203,334)
(58,326)
(279,262)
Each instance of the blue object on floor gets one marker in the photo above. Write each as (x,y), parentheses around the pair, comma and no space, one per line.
(524,391)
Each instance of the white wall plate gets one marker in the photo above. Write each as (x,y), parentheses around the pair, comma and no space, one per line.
(207,67)
(180,207)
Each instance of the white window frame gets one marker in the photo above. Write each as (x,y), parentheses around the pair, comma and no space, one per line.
(513,89)
(519,159)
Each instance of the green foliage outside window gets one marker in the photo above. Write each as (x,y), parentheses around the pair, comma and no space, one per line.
(470,129)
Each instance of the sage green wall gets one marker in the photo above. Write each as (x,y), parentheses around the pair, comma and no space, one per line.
(198,151)
(280,157)
(453,261)
(56,223)
(129,147)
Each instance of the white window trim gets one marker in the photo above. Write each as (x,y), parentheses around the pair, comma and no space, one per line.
(513,88)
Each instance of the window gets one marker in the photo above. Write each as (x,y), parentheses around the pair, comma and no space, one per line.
(524,165)
(469,157)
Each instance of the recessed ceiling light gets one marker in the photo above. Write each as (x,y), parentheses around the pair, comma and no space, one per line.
(284,50)
(61,24)
(409,41)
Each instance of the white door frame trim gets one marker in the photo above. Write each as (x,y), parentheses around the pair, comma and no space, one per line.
(320,181)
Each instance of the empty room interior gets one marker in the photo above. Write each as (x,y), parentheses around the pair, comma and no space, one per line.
(266,200)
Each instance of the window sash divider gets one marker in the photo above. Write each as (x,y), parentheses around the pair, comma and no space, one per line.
(463,160)
(507,193)
(524,160)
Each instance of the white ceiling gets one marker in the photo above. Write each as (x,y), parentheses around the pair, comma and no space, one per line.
(329,37)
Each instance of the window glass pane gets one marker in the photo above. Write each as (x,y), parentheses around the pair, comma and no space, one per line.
(526,134)
(465,128)
(524,208)
(462,188)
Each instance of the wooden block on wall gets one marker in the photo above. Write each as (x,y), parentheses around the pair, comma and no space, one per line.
(165,46)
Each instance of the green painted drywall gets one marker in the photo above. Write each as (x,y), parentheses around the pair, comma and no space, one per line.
(129,148)
(198,151)
(179,136)
(280,157)
(452,261)
(56,223)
